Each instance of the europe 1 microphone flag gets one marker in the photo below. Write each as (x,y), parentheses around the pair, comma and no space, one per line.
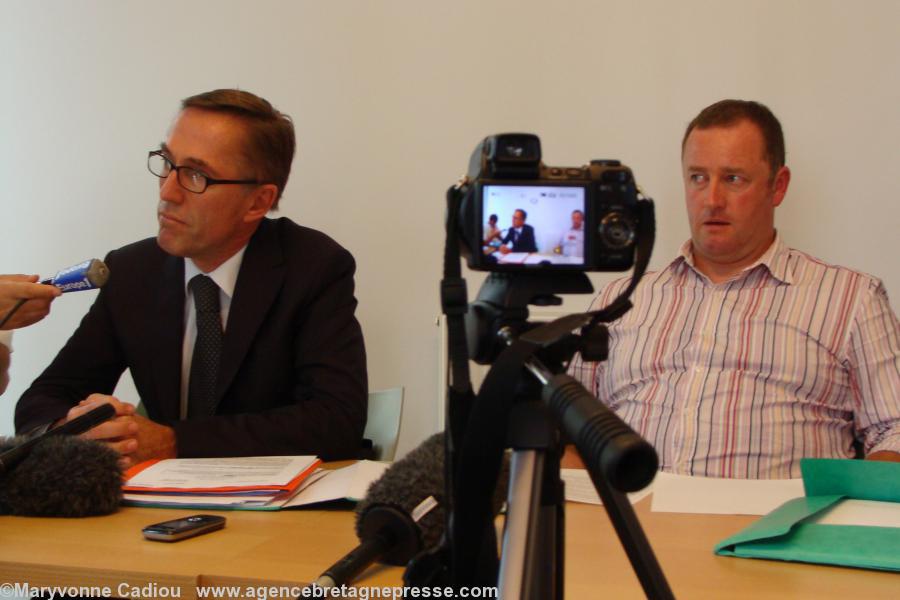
(89,275)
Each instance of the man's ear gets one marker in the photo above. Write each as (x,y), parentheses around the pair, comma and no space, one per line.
(263,198)
(780,185)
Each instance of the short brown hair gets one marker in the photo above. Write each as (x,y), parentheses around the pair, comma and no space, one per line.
(270,149)
(726,113)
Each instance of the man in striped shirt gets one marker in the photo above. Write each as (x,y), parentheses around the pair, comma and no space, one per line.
(744,355)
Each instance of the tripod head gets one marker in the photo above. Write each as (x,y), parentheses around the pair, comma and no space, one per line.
(500,312)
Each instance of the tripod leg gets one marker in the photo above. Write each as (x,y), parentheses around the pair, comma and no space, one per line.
(520,528)
(531,562)
(633,540)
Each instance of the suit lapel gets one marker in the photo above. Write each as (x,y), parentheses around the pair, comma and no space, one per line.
(259,281)
(169,332)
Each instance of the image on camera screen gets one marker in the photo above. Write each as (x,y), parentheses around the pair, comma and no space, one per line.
(533,225)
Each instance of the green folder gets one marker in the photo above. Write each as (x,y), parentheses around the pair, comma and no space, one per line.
(786,533)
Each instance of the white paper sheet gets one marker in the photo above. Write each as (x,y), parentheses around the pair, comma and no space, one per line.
(580,488)
(861,512)
(512,257)
(715,496)
(223,501)
(350,483)
(246,471)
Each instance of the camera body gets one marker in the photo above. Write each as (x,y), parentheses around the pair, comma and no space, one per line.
(518,214)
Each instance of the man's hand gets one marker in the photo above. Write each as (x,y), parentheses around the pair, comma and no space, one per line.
(14,288)
(119,433)
(134,437)
(505,250)
(154,440)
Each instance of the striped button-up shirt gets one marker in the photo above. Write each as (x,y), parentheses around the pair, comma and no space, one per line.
(792,358)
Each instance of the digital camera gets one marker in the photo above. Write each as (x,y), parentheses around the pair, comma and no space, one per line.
(518,214)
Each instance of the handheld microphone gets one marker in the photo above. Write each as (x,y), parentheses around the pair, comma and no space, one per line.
(64,476)
(78,425)
(59,475)
(402,513)
(89,275)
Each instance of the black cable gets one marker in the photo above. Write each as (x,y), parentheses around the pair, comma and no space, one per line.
(12,311)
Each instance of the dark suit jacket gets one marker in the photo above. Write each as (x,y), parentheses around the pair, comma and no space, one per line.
(525,243)
(293,374)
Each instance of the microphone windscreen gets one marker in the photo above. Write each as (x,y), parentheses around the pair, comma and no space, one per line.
(97,272)
(409,481)
(63,476)
(416,477)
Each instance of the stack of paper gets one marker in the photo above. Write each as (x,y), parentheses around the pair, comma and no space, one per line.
(245,483)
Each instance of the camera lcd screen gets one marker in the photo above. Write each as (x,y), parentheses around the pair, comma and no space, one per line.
(533,225)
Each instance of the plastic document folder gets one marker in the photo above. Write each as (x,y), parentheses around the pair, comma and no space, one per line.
(241,482)
(259,489)
(802,530)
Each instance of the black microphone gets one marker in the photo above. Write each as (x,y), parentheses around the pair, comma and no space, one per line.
(402,514)
(62,475)
(76,426)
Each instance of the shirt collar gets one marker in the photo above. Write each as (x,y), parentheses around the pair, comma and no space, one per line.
(225,275)
(774,259)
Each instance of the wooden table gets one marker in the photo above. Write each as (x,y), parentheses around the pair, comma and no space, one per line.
(293,547)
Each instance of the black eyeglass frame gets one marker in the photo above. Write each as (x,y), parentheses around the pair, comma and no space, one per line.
(209,180)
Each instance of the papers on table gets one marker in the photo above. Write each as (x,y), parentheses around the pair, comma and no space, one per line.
(211,475)
(688,494)
(308,487)
(868,513)
(580,488)
(349,483)
(534,258)
(516,258)
(721,496)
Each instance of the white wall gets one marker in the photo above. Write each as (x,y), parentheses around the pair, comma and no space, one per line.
(390,97)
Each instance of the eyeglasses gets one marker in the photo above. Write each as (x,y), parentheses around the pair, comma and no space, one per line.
(189,178)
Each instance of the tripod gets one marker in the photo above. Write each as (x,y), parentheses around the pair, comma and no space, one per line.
(494,330)
(532,557)
(547,404)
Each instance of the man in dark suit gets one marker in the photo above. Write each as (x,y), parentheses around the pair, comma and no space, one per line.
(520,234)
(238,330)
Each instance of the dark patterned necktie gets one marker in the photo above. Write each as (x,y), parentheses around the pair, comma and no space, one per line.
(207,347)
